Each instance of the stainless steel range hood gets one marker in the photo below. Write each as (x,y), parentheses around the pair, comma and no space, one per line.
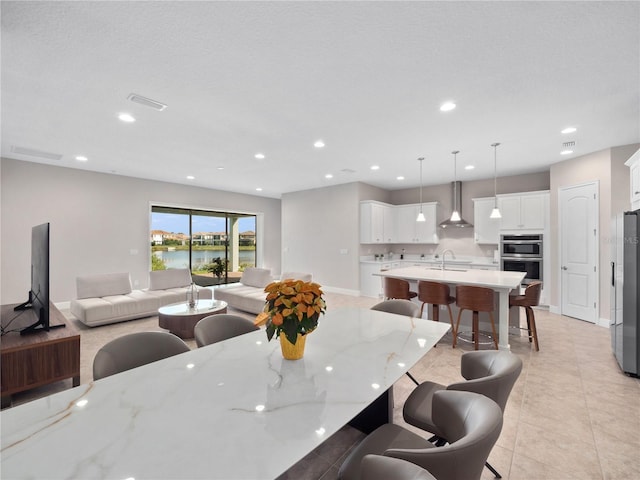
(456,192)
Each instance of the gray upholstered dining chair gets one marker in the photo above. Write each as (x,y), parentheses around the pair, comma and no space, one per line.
(473,423)
(222,326)
(379,467)
(134,350)
(399,307)
(487,372)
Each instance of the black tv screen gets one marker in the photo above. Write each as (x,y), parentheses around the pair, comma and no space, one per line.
(39,293)
(40,273)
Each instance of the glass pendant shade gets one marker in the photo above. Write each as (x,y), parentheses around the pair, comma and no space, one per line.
(495,213)
(420,217)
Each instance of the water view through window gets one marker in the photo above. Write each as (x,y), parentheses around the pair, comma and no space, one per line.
(215,246)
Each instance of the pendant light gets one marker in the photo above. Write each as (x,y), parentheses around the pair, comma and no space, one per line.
(455,215)
(421,215)
(495,213)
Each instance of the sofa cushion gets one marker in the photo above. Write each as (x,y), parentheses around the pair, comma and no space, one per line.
(305,277)
(256,277)
(103,285)
(242,297)
(170,278)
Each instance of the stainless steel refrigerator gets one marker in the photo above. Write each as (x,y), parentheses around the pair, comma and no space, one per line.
(625,283)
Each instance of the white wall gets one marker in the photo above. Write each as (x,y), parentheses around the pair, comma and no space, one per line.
(320,230)
(98,222)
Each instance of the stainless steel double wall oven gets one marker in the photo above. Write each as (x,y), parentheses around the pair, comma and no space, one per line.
(522,253)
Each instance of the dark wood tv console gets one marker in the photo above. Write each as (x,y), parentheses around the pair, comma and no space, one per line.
(29,361)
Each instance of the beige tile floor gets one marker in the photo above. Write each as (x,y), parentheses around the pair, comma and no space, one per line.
(571,415)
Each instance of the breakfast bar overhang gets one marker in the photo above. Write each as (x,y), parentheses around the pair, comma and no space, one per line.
(500,281)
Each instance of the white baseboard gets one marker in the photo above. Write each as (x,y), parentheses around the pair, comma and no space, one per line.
(343,291)
(601,322)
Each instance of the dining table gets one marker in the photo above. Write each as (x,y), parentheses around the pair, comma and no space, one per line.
(235,409)
(501,282)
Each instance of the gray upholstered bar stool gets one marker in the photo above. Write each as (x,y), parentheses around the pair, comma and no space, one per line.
(397,288)
(436,294)
(476,299)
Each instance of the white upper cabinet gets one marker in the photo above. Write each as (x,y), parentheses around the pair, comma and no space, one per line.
(408,230)
(634,164)
(524,211)
(486,230)
(377,223)
(383,223)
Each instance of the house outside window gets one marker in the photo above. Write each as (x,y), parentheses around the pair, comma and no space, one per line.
(215,246)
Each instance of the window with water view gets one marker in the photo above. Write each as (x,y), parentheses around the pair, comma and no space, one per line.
(215,246)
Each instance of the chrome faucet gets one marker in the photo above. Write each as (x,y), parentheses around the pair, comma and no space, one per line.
(453,255)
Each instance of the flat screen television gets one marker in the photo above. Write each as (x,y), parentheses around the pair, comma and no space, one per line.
(39,293)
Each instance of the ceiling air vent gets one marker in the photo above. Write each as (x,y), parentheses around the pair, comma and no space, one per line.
(347,170)
(32,152)
(147,102)
(569,144)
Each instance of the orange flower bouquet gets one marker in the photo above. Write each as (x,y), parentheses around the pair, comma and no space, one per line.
(293,307)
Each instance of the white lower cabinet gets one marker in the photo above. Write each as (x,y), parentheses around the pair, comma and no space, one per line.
(370,284)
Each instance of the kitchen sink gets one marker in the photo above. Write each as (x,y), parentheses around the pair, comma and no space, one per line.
(448,269)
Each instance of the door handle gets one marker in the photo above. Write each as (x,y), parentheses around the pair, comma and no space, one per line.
(613,274)
(565,268)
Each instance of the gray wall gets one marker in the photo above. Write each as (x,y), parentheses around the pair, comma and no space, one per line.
(99,223)
(607,168)
(320,232)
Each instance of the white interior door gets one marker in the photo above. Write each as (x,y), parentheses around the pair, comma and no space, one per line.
(579,251)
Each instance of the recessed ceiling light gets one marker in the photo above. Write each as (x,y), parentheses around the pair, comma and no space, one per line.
(569,130)
(259,156)
(566,152)
(81,158)
(328,175)
(375,167)
(447,106)
(220,168)
(126,117)
(318,144)
(400,177)
(469,167)
(190,177)
(259,189)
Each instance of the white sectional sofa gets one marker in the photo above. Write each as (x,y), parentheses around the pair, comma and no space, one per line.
(248,295)
(109,298)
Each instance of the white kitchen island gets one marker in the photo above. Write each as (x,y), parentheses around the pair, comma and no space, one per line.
(500,281)
(232,410)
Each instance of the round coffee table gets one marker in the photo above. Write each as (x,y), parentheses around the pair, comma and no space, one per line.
(180,320)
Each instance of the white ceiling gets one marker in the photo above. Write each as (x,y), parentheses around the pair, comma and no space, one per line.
(273,77)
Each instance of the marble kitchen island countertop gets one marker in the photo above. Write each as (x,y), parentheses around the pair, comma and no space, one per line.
(500,281)
(231,410)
